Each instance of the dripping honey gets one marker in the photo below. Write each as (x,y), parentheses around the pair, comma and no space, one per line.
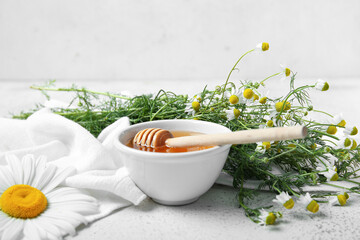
(166,149)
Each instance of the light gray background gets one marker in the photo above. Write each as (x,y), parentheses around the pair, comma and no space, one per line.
(176,40)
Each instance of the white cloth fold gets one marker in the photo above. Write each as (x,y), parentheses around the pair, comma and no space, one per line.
(65,143)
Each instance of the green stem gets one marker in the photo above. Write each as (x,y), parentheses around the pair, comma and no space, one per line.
(262,82)
(227,79)
(79,90)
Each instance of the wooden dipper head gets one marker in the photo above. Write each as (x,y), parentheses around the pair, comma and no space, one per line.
(152,137)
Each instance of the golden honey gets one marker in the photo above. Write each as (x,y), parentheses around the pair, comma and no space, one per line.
(166,149)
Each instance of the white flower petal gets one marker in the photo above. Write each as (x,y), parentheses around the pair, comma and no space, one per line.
(48,227)
(5,221)
(6,178)
(29,169)
(76,196)
(62,191)
(60,176)
(45,177)
(30,231)
(42,232)
(40,168)
(85,208)
(16,168)
(14,230)
(65,224)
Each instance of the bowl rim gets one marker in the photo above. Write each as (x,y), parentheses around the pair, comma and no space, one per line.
(118,144)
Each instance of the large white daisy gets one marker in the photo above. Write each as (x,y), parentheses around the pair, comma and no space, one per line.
(34,206)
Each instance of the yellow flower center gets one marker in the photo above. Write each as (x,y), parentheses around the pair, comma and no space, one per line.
(342,123)
(23,201)
(335,177)
(265,46)
(287,72)
(354,145)
(313,206)
(236,113)
(266,145)
(289,204)
(331,130)
(313,146)
(325,87)
(248,93)
(270,219)
(346,195)
(347,142)
(256,97)
(234,99)
(195,105)
(270,123)
(279,106)
(354,131)
(341,199)
(263,100)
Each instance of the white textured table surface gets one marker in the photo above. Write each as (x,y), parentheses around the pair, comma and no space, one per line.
(216,214)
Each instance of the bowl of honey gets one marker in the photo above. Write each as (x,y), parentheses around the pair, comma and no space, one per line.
(173,176)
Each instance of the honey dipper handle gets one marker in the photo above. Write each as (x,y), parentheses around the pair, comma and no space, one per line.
(240,137)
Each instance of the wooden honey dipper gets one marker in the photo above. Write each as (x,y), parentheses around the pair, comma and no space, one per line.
(156,137)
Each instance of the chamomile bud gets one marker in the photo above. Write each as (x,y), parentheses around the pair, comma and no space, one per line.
(310,204)
(263,100)
(256,97)
(270,123)
(267,218)
(279,106)
(284,199)
(262,47)
(321,85)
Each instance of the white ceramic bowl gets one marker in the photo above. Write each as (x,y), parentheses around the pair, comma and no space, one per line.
(173,178)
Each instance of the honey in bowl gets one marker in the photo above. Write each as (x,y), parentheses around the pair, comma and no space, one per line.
(166,149)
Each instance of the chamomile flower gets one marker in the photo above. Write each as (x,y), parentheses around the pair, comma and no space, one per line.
(339,199)
(350,131)
(285,73)
(329,171)
(248,93)
(310,204)
(348,142)
(284,199)
(338,120)
(263,146)
(262,47)
(267,218)
(34,206)
(232,113)
(192,107)
(234,96)
(321,85)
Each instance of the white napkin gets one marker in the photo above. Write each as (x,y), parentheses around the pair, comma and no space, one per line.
(65,143)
